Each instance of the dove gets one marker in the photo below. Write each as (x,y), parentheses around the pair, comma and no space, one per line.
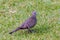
(28,24)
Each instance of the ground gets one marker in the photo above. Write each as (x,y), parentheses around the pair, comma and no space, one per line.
(14,12)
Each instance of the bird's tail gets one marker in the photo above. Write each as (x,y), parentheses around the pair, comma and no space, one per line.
(14,30)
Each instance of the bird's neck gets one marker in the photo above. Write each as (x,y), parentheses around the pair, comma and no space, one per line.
(34,16)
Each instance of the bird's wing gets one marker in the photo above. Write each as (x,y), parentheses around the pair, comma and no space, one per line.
(30,22)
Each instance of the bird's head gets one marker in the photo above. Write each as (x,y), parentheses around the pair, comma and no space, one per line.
(34,13)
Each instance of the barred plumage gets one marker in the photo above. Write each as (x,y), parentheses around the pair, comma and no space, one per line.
(29,23)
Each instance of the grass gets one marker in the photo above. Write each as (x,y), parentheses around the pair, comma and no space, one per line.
(14,12)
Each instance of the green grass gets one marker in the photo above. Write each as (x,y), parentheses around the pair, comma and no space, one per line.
(14,12)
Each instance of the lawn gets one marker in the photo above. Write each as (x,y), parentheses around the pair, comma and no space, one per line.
(14,12)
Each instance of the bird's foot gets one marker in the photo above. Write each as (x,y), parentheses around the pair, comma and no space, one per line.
(31,31)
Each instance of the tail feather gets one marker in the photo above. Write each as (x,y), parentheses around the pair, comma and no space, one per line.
(14,30)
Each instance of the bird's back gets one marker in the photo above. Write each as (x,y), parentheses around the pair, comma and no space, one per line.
(29,22)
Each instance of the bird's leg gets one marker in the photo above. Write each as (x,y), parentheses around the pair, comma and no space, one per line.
(33,31)
(30,31)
